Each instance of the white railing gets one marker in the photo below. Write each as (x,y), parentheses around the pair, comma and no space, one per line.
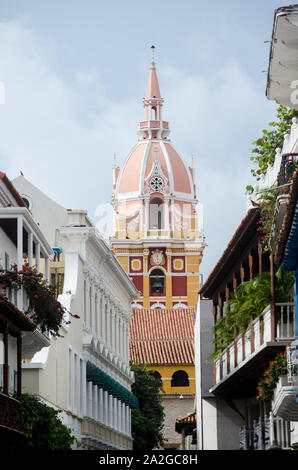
(279,432)
(292,360)
(21,301)
(267,328)
(265,434)
(286,324)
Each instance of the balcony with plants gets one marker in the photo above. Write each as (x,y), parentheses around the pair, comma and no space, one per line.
(39,302)
(259,317)
(253,326)
(276,390)
(284,385)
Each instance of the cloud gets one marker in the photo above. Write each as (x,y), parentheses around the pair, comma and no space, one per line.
(216,118)
(62,132)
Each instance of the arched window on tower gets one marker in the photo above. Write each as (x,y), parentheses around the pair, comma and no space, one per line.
(154,113)
(157,281)
(156,214)
(156,374)
(180,379)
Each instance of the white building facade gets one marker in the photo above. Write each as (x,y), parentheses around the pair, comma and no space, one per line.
(85,373)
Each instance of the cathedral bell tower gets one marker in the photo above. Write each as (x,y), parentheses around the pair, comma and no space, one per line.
(156,235)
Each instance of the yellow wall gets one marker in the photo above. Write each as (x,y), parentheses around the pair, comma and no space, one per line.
(166,372)
(192,263)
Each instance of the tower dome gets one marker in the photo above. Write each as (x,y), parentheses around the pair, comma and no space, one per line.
(154,189)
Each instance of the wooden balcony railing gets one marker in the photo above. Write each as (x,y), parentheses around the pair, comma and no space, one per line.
(11,413)
(269,327)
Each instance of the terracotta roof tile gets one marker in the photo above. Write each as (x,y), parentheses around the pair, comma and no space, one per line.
(189,421)
(162,336)
(191,418)
(10,310)
(233,249)
(12,189)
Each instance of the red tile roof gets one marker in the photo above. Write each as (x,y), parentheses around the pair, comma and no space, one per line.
(10,311)
(162,336)
(243,234)
(12,189)
(189,420)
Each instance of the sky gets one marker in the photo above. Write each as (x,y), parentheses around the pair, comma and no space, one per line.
(75,72)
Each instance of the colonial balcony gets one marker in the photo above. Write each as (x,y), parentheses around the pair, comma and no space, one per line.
(32,341)
(284,403)
(288,164)
(266,433)
(239,366)
(10,413)
(19,226)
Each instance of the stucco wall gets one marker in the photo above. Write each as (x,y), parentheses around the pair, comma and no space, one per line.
(175,408)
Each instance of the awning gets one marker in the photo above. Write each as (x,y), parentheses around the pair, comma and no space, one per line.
(107,383)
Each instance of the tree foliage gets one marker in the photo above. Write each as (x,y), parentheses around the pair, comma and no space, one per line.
(248,302)
(147,420)
(44,430)
(268,381)
(265,146)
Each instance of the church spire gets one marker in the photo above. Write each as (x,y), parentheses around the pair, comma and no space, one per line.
(153,90)
(153,127)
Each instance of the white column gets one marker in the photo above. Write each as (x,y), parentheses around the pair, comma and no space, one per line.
(106,407)
(20,241)
(108,320)
(84,391)
(115,409)
(127,423)
(89,399)
(123,418)
(91,306)
(30,249)
(172,215)
(37,256)
(101,405)
(103,318)
(146,216)
(47,268)
(126,353)
(119,415)
(112,326)
(110,405)
(97,310)
(95,402)
(166,213)
(20,252)
(117,326)
(141,223)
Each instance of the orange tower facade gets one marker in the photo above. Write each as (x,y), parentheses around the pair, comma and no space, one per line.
(157,238)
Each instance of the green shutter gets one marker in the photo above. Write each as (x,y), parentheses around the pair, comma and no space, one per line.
(104,381)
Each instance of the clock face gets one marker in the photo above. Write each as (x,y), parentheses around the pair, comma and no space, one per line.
(156,183)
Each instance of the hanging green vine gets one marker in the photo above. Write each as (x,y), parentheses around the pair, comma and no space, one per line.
(248,302)
(265,146)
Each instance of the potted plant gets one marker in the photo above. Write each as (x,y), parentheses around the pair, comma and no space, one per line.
(44,308)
